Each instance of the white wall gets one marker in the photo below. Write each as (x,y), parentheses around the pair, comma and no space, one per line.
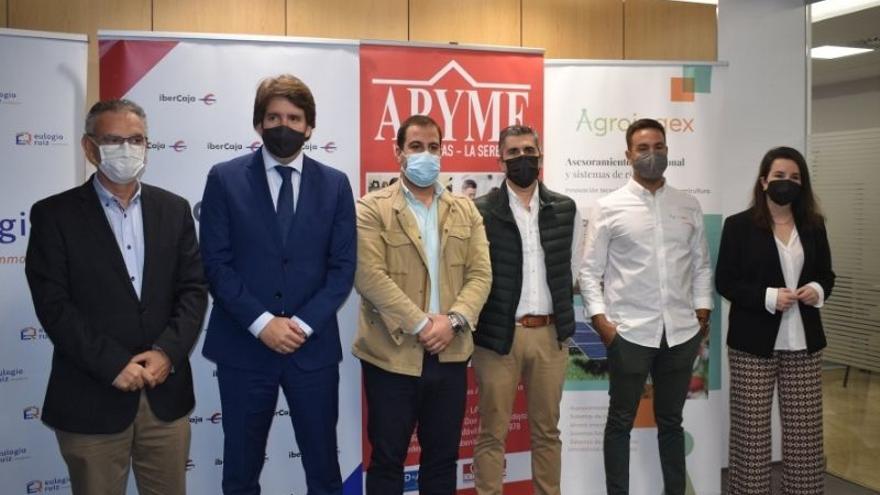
(846,106)
(765,43)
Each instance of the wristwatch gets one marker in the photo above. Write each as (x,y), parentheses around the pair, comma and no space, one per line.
(459,323)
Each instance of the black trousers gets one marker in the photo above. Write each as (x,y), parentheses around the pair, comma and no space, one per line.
(396,404)
(628,367)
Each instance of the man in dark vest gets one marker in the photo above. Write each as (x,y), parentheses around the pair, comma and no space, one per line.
(533,236)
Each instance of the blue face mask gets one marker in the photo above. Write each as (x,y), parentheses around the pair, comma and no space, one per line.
(422,169)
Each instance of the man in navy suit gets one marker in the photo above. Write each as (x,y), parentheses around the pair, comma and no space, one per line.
(278,241)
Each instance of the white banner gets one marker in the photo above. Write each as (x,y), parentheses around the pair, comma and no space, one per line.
(41,119)
(588,109)
(198,93)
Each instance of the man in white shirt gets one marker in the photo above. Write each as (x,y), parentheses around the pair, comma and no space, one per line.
(533,234)
(646,281)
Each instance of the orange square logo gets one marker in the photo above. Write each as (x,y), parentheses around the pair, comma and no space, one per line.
(682,89)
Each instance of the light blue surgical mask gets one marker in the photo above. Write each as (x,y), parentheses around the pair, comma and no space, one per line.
(422,168)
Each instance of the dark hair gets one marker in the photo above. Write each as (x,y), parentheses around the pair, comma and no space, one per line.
(806,211)
(418,121)
(643,124)
(469,184)
(285,86)
(120,105)
(517,130)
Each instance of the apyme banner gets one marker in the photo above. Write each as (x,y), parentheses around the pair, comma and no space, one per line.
(198,94)
(472,93)
(42,97)
(589,107)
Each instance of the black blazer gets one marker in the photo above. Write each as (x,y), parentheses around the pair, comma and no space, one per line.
(748,263)
(90,311)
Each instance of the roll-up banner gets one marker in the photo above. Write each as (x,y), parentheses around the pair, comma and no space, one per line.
(42,102)
(589,106)
(472,93)
(198,93)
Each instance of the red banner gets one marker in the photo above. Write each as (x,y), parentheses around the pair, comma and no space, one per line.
(472,94)
(517,443)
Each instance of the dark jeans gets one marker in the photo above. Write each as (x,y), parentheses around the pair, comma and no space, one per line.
(628,368)
(395,405)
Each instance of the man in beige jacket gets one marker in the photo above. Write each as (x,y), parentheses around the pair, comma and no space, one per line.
(424,273)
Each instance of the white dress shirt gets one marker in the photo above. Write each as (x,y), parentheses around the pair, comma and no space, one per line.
(274,179)
(535,297)
(791,335)
(646,264)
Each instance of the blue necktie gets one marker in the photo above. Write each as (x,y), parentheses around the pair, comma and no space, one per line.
(284,208)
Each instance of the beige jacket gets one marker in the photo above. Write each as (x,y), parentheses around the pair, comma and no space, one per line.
(392,277)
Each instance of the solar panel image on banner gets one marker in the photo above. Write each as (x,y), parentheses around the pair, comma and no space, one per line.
(587,340)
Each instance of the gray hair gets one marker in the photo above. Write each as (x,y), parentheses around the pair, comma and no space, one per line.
(116,105)
(518,130)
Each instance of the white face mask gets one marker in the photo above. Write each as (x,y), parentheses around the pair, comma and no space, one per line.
(122,163)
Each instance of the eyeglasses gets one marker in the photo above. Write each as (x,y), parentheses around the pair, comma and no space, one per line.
(112,139)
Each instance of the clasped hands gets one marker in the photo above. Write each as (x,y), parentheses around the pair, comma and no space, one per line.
(786,298)
(283,335)
(149,368)
(436,335)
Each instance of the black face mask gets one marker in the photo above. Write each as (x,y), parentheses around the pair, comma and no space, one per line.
(783,191)
(282,141)
(522,170)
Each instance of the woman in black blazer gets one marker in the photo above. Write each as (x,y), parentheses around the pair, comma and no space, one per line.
(774,266)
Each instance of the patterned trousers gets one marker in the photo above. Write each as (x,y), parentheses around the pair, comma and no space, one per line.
(798,376)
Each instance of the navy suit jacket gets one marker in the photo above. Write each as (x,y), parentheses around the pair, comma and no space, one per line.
(250,269)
